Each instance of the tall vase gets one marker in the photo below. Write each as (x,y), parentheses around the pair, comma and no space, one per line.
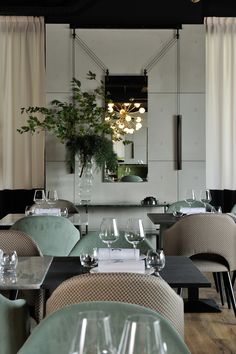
(85,183)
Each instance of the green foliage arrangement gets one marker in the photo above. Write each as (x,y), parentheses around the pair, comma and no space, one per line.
(79,124)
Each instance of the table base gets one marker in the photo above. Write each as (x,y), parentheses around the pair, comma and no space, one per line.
(201,305)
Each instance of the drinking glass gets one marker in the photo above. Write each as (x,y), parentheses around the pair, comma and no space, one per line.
(92,334)
(109,231)
(52,197)
(9,262)
(190,197)
(156,260)
(89,260)
(134,232)
(205,197)
(39,196)
(142,335)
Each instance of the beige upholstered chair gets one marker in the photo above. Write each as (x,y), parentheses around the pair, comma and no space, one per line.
(140,289)
(19,241)
(24,245)
(210,240)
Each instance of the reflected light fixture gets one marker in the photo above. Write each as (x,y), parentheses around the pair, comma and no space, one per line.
(195,1)
(124,118)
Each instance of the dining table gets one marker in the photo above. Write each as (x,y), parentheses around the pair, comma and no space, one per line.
(179,272)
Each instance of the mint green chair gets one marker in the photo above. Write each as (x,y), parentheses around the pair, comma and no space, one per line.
(183,204)
(131,178)
(54,334)
(55,235)
(92,240)
(14,325)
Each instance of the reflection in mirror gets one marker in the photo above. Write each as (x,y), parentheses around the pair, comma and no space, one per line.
(127,114)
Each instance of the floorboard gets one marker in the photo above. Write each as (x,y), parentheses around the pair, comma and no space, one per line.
(211,333)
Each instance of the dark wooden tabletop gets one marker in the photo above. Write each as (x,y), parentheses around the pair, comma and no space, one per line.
(179,271)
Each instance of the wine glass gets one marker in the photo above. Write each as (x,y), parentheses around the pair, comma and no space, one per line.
(92,334)
(156,260)
(205,197)
(134,232)
(52,197)
(39,196)
(142,335)
(190,197)
(109,231)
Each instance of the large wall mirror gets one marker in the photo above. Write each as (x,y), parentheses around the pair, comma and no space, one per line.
(128,114)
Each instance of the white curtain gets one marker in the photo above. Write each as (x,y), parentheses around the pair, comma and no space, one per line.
(221,103)
(22,84)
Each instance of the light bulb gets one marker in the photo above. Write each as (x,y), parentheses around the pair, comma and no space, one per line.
(110,105)
(121,125)
(107,118)
(138,126)
(138,119)
(136,105)
(110,109)
(128,118)
(141,110)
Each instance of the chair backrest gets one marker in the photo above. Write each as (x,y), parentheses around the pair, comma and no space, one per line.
(55,235)
(92,240)
(55,332)
(183,204)
(19,241)
(14,325)
(205,233)
(139,289)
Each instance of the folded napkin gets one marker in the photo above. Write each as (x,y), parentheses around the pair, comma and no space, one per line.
(192,210)
(49,211)
(124,266)
(118,253)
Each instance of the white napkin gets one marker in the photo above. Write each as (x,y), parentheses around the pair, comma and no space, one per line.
(192,210)
(125,266)
(49,211)
(118,253)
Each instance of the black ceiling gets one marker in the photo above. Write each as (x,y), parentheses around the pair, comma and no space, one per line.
(120,13)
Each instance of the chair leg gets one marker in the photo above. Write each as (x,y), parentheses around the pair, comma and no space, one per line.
(216,281)
(230,291)
(218,275)
(234,277)
(226,292)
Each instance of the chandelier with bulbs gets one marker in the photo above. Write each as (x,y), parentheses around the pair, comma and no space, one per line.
(124,118)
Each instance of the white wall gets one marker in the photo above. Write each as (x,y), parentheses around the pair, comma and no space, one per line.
(128,52)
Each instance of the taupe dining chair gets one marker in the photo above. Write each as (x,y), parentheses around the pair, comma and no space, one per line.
(141,289)
(24,245)
(210,241)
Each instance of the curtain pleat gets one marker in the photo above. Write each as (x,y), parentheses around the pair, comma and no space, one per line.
(22,84)
(220,103)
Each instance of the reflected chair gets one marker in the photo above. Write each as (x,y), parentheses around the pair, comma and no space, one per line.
(210,241)
(131,178)
(92,240)
(140,289)
(55,235)
(14,325)
(54,334)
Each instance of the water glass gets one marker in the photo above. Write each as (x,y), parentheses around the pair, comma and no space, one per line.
(156,260)
(89,260)
(9,262)
(142,335)
(93,334)
(64,212)
(39,196)
(52,197)
(134,232)
(109,231)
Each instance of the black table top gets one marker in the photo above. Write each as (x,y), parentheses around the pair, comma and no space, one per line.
(163,218)
(179,271)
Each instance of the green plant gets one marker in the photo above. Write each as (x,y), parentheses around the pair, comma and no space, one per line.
(79,124)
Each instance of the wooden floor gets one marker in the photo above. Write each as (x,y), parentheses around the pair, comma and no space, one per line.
(211,333)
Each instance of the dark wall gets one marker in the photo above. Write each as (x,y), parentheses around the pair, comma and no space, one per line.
(15,201)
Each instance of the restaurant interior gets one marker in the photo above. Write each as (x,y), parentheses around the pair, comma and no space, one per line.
(117,177)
